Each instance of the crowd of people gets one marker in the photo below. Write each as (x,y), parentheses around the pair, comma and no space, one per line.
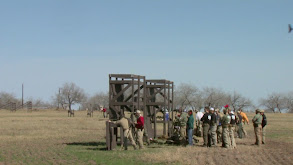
(215,127)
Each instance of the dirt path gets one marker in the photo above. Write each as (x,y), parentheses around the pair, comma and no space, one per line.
(273,152)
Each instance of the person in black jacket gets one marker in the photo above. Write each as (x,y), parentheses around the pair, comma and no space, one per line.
(213,128)
(206,120)
(263,124)
(232,128)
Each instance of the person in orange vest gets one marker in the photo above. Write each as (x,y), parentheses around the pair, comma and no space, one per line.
(244,120)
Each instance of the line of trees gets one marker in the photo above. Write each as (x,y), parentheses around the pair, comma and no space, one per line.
(189,96)
(278,102)
(185,96)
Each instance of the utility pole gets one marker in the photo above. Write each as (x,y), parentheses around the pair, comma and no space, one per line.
(22,97)
(58,98)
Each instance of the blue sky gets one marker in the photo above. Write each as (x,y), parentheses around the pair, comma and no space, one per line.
(233,45)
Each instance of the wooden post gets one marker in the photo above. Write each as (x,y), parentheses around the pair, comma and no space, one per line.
(108,143)
(22,98)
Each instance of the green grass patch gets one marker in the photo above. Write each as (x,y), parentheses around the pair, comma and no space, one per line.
(95,152)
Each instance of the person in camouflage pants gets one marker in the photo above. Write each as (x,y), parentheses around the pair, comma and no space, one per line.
(182,123)
(219,125)
(257,121)
(206,120)
(225,121)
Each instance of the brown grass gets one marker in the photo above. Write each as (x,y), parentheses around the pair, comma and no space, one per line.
(42,137)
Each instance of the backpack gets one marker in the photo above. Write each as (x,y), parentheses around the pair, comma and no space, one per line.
(233,119)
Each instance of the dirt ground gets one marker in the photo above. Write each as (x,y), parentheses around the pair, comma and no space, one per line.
(50,137)
(273,152)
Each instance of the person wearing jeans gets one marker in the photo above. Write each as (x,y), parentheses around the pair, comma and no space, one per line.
(190,123)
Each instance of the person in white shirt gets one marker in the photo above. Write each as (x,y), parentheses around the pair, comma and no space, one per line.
(198,116)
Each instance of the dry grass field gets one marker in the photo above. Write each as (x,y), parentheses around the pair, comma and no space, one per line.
(50,137)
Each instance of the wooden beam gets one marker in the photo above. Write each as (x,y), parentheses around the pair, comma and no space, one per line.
(155,103)
(135,92)
(121,103)
(121,92)
(155,93)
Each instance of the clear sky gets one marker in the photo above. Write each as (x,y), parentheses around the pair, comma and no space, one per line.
(233,45)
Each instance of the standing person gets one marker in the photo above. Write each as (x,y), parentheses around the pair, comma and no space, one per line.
(263,124)
(182,123)
(219,125)
(127,133)
(206,119)
(257,121)
(190,123)
(140,128)
(239,125)
(198,123)
(213,128)
(104,112)
(244,120)
(232,128)
(225,122)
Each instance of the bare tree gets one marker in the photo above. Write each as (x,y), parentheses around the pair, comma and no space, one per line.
(288,98)
(70,94)
(237,101)
(39,103)
(274,102)
(6,98)
(214,97)
(99,99)
(188,95)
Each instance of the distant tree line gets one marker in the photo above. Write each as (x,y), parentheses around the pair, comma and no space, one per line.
(190,96)
(186,95)
(278,102)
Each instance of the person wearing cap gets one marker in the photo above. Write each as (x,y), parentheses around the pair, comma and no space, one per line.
(239,125)
(219,125)
(140,128)
(124,123)
(190,123)
(232,127)
(263,124)
(244,120)
(257,121)
(182,119)
(225,122)
(206,119)
(213,128)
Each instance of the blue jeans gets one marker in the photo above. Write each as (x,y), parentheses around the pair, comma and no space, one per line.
(190,139)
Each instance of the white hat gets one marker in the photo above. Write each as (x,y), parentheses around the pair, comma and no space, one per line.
(232,112)
(212,109)
(137,111)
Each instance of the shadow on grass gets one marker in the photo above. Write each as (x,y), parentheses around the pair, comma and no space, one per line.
(101,146)
(87,143)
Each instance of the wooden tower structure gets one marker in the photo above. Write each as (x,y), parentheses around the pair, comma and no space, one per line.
(128,92)
(159,98)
